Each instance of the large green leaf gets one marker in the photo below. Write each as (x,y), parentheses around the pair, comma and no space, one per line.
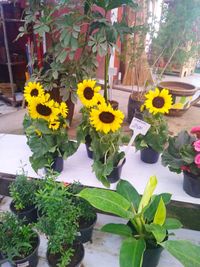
(148,192)
(171,223)
(157,230)
(160,215)
(118,229)
(131,252)
(125,189)
(108,201)
(187,253)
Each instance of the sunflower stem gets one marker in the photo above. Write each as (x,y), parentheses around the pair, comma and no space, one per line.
(107,57)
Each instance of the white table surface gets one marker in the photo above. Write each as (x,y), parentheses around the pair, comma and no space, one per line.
(14,153)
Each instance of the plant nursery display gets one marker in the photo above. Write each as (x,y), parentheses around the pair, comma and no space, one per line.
(147,231)
(22,190)
(183,155)
(18,242)
(58,220)
(45,126)
(156,104)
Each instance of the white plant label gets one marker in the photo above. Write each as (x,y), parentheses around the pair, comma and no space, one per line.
(139,126)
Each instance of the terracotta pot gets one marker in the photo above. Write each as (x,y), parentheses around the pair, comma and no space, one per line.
(182,94)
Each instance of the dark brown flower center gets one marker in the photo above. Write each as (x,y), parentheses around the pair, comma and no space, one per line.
(43,110)
(34,92)
(88,93)
(158,102)
(106,117)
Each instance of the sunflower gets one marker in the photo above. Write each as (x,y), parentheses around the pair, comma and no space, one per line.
(158,101)
(100,99)
(33,90)
(106,119)
(54,125)
(63,109)
(87,92)
(39,108)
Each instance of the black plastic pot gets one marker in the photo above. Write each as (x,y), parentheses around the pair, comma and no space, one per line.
(76,259)
(29,215)
(149,155)
(86,231)
(191,184)
(32,259)
(134,109)
(151,256)
(58,164)
(88,148)
(115,175)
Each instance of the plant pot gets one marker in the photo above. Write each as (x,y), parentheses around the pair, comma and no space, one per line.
(29,214)
(86,230)
(76,259)
(134,106)
(32,259)
(182,94)
(115,175)
(151,256)
(149,155)
(191,184)
(88,144)
(114,104)
(58,164)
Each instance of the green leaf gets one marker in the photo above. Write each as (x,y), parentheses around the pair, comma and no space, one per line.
(148,192)
(118,229)
(171,223)
(187,253)
(125,189)
(157,230)
(108,201)
(131,252)
(160,215)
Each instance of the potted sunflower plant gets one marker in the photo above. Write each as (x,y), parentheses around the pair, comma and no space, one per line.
(147,229)
(58,220)
(88,94)
(183,155)
(18,242)
(46,129)
(157,103)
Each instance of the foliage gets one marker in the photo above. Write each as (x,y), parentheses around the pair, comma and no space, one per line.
(16,239)
(180,154)
(58,217)
(23,190)
(147,227)
(157,135)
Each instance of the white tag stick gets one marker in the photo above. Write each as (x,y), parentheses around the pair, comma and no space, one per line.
(138,127)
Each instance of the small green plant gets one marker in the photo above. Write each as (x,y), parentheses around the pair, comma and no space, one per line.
(147,226)
(58,217)
(16,239)
(23,190)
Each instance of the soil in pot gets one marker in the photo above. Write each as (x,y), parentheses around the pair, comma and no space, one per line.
(149,155)
(58,164)
(86,229)
(32,259)
(76,259)
(115,175)
(191,184)
(88,148)
(29,214)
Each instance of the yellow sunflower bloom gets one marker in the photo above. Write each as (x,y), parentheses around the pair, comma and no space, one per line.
(106,119)
(87,92)
(54,125)
(33,90)
(100,100)
(63,109)
(158,101)
(39,108)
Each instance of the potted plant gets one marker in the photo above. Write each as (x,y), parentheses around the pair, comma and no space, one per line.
(156,104)
(45,128)
(22,190)
(18,242)
(58,220)
(106,138)
(90,97)
(148,229)
(183,155)
(87,216)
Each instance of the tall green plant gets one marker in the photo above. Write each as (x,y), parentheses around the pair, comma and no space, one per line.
(148,225)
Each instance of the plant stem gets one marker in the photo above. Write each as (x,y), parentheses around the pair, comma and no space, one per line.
(106,77)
